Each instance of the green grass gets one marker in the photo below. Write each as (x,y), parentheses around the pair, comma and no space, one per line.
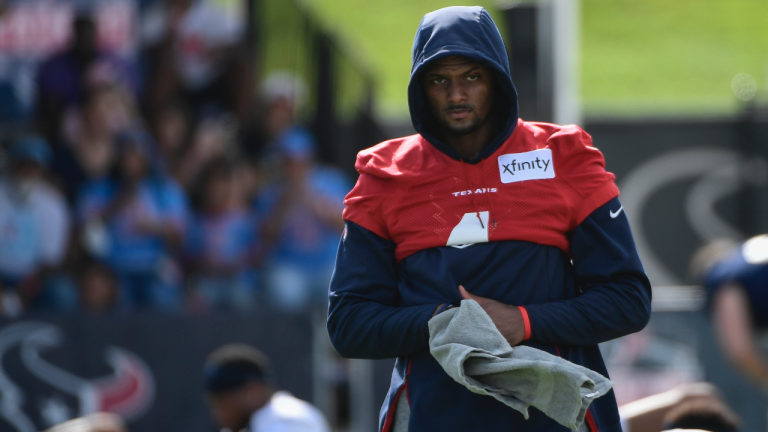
(671,56)
(381,33)
(638,56)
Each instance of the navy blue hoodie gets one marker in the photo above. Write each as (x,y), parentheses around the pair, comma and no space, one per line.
(560,246)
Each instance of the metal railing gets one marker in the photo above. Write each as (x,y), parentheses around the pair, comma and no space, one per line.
(286,35)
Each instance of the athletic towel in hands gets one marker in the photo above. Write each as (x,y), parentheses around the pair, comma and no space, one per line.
(473,352)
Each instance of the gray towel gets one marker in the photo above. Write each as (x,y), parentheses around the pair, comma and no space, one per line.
(471,350)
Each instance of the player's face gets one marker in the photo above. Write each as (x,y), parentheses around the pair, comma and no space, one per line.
(229,410)
(459,93)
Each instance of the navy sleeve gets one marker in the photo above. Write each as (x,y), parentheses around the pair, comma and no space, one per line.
(615,297)
(365,319)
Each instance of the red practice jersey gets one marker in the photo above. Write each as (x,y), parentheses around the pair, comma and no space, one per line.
(541,183)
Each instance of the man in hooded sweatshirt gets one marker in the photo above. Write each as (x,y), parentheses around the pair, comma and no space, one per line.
(521,217)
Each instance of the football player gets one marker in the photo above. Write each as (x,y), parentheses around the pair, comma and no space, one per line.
(480,204)
(242,396)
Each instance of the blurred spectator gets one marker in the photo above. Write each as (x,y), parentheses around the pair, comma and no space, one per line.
(62,79)
(302,224)
(736,277)
(171,128)
(211,140)
(97,288)
(704,414)
(221,242)
(249,180)
(283,95)
(241,395)
(135,220)
(34,223)
(98,422)
(89,131)
(301,204)
(196,53)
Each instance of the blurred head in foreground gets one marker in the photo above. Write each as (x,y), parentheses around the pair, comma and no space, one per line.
(710,255)
(708,414)
(98,422)
(237,384)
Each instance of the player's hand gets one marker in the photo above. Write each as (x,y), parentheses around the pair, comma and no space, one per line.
(507,319)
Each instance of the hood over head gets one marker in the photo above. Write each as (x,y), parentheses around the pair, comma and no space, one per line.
(466,31)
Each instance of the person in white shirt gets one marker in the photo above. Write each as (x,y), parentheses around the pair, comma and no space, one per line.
(242,397)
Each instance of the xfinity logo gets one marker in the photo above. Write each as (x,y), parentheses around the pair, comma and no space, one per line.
(532,165)
(476,191)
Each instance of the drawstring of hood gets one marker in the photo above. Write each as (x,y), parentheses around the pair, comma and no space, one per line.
(489,198)
(472,193)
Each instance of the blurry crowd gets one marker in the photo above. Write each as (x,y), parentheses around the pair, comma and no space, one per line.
(167,183)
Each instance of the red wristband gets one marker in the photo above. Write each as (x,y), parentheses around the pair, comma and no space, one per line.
(526,322)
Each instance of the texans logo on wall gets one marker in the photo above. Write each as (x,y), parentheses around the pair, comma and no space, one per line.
(714,174)
(36,392)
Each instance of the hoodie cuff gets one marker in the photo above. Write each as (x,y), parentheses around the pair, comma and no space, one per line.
(526,323)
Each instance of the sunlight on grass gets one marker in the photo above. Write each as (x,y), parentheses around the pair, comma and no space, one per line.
(676,57)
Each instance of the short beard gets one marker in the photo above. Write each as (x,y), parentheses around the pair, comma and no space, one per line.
(476,124)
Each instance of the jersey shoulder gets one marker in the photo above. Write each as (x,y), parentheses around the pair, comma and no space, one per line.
(554,136)
(400,158)
(579,167)
(386,170)
(571,145)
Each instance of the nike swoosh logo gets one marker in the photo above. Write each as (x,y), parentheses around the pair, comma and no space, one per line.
(613,215)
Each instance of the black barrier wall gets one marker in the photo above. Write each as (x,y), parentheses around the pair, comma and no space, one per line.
(147,368)
(288,36)
(685,182)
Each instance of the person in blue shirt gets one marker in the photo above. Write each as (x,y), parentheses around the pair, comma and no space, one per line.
(302,222)
(34,227)
(135,220)
(221,242)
